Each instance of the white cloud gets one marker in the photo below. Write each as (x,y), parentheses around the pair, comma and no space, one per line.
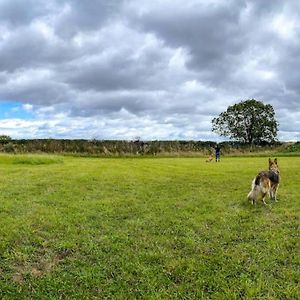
(27,107)
(284,26)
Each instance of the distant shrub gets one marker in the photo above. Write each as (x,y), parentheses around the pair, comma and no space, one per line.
(9,148)
(5,137)
(293,147)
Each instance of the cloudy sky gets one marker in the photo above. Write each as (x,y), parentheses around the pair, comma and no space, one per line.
(159,69)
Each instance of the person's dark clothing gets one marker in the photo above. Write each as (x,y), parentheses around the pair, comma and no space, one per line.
(218,153)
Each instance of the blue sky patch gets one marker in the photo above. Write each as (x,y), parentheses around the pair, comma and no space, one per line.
(14,110)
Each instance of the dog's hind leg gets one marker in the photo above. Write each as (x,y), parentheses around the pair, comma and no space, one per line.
(263,198)
(252,197)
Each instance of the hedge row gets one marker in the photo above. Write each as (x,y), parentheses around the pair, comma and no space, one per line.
(112,147)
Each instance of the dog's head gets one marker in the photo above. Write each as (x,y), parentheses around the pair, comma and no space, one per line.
(273,165)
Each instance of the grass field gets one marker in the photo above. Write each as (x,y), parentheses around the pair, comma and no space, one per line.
(153,228)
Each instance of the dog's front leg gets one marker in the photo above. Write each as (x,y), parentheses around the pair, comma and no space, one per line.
(272,194)
(275,193)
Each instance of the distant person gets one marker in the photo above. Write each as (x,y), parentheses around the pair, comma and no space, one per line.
(218,152)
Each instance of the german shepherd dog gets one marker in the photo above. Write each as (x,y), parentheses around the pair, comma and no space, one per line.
(265,183)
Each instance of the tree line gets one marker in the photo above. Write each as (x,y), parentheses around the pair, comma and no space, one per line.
(123,148)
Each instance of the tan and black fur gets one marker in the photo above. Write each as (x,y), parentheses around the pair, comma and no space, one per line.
(265,183)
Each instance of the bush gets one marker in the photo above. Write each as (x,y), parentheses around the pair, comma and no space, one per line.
(9,148)
(294,147)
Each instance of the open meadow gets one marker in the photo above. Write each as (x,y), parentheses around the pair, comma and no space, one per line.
(146,228)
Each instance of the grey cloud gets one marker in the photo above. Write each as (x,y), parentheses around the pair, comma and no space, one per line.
(121,71)
(220,38)
(211,33)
(21,50)
(83,16)
(289,65)
(114,74)
(37,92)
(28,48)
(112,102)
(19,12)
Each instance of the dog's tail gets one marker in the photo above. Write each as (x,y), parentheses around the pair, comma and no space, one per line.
(254,190)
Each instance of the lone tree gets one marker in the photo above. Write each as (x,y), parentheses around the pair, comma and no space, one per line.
(248,121)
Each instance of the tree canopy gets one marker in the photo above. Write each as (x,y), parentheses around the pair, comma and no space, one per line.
(4,137)
(249,121)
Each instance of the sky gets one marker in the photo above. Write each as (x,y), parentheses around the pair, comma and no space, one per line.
(153,70)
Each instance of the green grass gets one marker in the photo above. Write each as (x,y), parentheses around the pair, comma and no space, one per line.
(153,228)
(41,159)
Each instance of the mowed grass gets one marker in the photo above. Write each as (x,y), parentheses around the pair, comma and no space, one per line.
(153,228)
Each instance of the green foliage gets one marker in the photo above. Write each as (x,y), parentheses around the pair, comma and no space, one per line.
(106,147)
(127,148)
(295,147)
(146,229)
(4,137)
(249,121)
(8,147)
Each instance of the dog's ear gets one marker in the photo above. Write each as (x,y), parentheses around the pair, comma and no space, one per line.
(275,161)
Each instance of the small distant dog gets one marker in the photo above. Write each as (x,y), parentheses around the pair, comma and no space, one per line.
(209,159)
(265,183)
